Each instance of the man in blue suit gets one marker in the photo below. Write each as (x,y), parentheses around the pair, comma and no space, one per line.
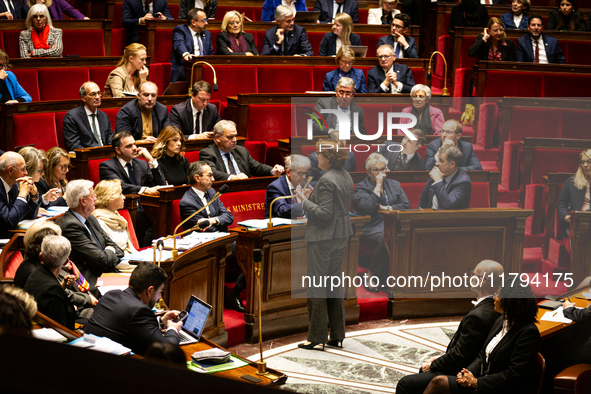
(138,11)
(449,187)
(189,41)
(328,10)
(287,38)
(451,133)
(548,49)
(85,126)
(297,168)
(19,198)
(269,7)
(404,46)
(17,9)
(389,77)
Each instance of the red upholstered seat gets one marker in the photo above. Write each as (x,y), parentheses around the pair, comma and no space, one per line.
(245,205)
(118,41)
(174,9)
(371,40)
(465,60)
(160,75)
(510,169)
(576,52)
(14,261)
(247,11)
(27,129)
(214,37)
(11,43)
(258,14)
(112,114)
(130,228)
(59,128)
(461,88)
(84,42)
(62,83)
(232,80)
(413,193)
(176,215)
(99,75)
(502,83)
(258,150)
(192,156)
(307,150)
(444,45)
(299,112)
(163,45)
(315,38)
(285,79)
(564,85)
(93,170)
(371,115)
(318,74)
(29,80)
(534,199)
(1,40)
(480,197)
(118,16)
(268,122)
(259,39)
(571,121)
(487,125)
(533,122)
(552,160)
(363,12)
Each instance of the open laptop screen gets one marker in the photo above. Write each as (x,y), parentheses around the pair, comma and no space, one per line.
(198,311)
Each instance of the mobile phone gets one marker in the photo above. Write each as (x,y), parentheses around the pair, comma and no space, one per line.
(180,316)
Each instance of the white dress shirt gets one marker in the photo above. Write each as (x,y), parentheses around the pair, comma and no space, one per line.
(517,20)
(153,164)
(7,188)
(201,196)
(495,341)
(96,124)
(541,51)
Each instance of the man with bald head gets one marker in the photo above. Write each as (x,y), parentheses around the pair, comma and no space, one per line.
(470,336)
(85,126)
(143,117)
(19,198)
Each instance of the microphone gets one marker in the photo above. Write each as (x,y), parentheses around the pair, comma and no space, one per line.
(224,189)
(215,78)
(257,255)
(160,244)
(204,224)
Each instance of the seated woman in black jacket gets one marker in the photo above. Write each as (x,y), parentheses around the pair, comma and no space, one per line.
(232,40)
(169,150)
(492,43)
(507,360)
(567,17)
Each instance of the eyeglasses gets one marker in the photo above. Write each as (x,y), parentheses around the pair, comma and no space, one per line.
(398,27)
(419,98)
(345,94)
(586,162)
(378,170)
(448,132)
(64,167)
(346,62)
(384,57)
(40,16)
(302,173)
(94,94)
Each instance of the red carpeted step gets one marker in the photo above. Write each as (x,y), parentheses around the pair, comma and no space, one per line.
(372,306)
(557,253)
(234,322)
(532,260)
(489,166)
(506,195)
(485,154)
(533,240)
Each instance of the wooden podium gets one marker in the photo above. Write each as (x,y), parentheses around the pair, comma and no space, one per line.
(580,243)
(282,246)
(200,271)
(427,243)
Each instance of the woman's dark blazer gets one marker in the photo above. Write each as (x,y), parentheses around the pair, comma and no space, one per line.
(42,188)
(480,49)
(511,364)
(571,199)
(328,46)
(223,43)
(555,17)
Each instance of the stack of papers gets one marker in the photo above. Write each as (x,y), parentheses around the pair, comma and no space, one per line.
(556,316)
(49,334)
(148,255)
(262,223)
(101,344)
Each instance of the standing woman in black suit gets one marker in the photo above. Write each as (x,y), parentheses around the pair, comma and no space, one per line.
(342,34)
(492,43)
(327,233)
(232,40)
(575,192)
(506,362)
(169,150)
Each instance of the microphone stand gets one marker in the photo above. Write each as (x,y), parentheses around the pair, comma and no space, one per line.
(215,78)
(444,93)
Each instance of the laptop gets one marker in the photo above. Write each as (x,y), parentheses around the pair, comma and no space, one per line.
(359,50)
(306,16)
(197,313)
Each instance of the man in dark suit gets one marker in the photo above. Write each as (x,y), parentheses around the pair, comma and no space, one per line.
(17,9)
(196,116)
(136,176)
(297,168)
(44,285)
(287,38)
(19,198)
(93,251)
(230,161)
(404,156)
(342,101)
(449,187)
(135,12)
(470,336)
(126,316)
(130,116)
(404,46)
(328,10)
(389,77)
(188,41)
(451,132)
(548,50)
(85,126)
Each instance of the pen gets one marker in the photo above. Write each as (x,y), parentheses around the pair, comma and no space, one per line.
(554,314)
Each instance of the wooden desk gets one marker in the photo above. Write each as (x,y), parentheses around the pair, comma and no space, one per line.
(580,238)
(428,243)
(284,303)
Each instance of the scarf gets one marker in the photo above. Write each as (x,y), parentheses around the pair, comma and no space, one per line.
(425,123)
(81,282)
(116,222)
(40,40)
(239,46)
(387,17)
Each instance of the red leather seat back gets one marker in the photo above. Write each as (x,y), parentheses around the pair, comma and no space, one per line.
(214,37)
(93,170)
(14,258)
(59,127)
(192,156)
(268,122)
(259,38)
(533,122)
(130,228)
(29,80)
(27,129)
(247,11)
(99,75)
(465,60)
(363,13)
(502,83)
(315,38)
(564,85)
(232,80)
(176,215)
(112,114)
(318,75)
(174,9)
(480,197)
(258,150)
(571,121)
(84,42)
(118,17)
(163,45)
(11,39)
(245,205)
(552,160)
(371,40)
(160,75)
(413,193)
(371,115)
(118,41)
(62,83)
(285,79)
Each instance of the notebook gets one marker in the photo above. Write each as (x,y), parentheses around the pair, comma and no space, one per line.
(197,313)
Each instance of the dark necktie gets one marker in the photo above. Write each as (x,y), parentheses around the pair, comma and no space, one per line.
(11,197)
(146,7)
(97,137)
(12,10)
(340,8)
(403,158)
(285,47)
(197,123)
(131,174)
(91,229)
(230,164)
(537,55)
(200,45)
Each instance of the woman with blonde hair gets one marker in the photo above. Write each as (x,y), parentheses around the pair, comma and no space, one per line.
(383,15)
(57,9)
(109,200)
(35,161)
(575,192)
(345,59)
(169,150)
(131,71)
(232,40)
(54,180)
(341,34)
(493,44)
(40,39)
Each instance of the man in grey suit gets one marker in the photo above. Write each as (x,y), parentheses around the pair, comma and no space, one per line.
(231,161)
(343,101)
(85,126)
(196,116)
